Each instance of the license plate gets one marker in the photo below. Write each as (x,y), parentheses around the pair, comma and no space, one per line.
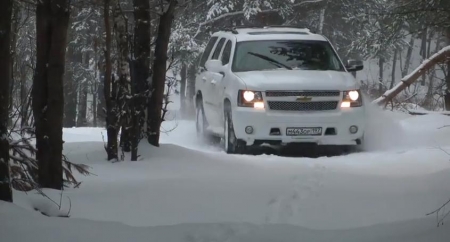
(303,131)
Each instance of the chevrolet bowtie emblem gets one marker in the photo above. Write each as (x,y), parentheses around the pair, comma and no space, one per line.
(304,99)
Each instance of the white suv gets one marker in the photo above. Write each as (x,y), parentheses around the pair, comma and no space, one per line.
(277,86)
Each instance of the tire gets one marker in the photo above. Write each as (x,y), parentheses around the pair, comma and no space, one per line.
(201,125)
(200,120)
(232,145)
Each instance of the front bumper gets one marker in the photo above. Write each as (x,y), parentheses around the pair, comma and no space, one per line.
(335,126)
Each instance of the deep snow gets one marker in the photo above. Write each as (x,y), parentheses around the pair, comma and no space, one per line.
(197,193)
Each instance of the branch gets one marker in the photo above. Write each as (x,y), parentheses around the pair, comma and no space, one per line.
(242,12)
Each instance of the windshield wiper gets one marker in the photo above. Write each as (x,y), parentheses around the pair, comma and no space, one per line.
(275,62)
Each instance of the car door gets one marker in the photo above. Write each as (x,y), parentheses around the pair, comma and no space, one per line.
(219,83)
(209,81)
(203,75)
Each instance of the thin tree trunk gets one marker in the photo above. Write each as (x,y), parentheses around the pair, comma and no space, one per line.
(159,73)
(52,20)
(408,57)
(83,93)
(70,92)
(423,52)
(183,75)
(5,79)
(23,97)
(111,120)
(380,75)
(394,68)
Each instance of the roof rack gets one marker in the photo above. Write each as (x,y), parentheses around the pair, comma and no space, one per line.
(233,29)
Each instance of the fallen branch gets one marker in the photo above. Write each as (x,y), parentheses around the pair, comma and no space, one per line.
(406,81)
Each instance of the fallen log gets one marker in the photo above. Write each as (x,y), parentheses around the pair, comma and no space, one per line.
(439,57)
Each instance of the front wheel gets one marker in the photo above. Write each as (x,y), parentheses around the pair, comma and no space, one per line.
(201,125)
(231,144)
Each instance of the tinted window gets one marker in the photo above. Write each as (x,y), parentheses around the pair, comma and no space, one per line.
(226,53)
(285,54)
(218,49)
(208,49)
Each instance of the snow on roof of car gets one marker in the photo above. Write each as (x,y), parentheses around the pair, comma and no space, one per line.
(271,33)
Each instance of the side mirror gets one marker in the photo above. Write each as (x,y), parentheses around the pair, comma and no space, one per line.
(354,65)
(214,66)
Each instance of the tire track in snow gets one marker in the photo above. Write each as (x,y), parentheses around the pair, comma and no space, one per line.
(287,206)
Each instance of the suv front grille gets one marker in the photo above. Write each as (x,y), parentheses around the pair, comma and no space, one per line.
(303,93)
(301,106)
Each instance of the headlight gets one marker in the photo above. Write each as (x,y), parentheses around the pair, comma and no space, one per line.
(249,96)
(251,99)
(353,95)
(351,99)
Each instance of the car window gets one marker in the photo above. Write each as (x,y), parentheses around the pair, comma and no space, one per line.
(285,54)
(226,53)
(218,49)
(207,51)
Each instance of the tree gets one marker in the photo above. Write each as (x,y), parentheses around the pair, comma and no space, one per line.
(159,72)
(141,71)
(109,89)
(5,77)
(52,20)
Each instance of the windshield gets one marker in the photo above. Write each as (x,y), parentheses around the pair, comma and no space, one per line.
(285,54)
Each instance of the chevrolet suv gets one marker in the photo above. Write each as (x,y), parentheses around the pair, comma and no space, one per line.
(277,86)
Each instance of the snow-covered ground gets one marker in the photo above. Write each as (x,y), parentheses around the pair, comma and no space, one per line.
(185,191)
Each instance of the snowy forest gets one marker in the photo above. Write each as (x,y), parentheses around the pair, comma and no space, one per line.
(129,66)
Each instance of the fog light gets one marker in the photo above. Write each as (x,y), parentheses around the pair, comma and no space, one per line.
(258,105)
(249,130)
(345,104)
(353,129)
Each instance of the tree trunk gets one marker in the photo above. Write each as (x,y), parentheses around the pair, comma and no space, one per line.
(83,93)
(408,57)
(380,75)
(52,20)
(124,100)
(111,119)
(23,97)
(13,63)
(5,79)
(394,68)
(70,93)
(159,73)
(423,52)
(447,80)
(183,75)
(141,71)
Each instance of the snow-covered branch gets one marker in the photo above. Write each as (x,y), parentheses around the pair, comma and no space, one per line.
(222,16)
(439,57)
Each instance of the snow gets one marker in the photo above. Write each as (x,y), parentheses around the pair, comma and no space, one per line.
(186,191)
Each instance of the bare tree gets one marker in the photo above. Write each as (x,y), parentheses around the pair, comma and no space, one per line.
(52,20)
(5,77)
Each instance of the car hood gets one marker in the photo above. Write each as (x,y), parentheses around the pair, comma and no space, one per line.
(298,80)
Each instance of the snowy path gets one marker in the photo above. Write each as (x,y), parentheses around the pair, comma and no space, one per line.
(403,176)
